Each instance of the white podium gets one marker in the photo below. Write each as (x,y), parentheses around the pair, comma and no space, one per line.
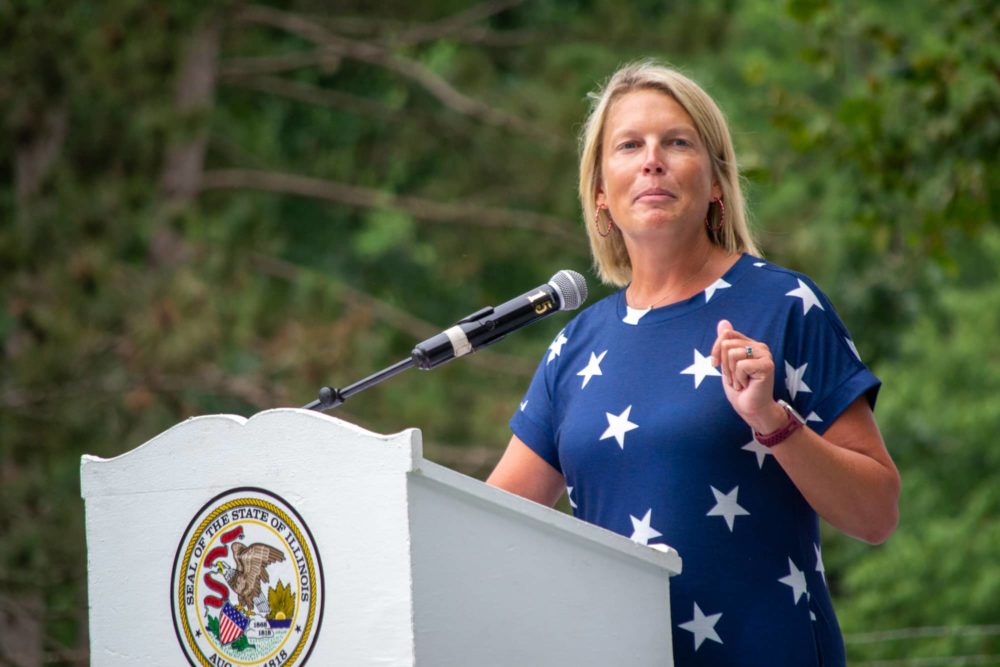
(294,536)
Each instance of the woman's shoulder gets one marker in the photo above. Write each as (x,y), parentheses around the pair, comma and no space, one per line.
(791,296)
(769,270)
(765,275)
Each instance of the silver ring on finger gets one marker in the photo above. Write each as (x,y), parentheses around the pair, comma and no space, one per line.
(749,352)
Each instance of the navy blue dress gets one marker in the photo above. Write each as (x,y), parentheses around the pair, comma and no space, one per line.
(627,407)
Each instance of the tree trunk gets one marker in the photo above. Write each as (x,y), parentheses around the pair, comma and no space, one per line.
(195,94)
(37,149)
(21,630)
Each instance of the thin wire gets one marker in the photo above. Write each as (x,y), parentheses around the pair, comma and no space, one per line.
(942,661)
(918,633)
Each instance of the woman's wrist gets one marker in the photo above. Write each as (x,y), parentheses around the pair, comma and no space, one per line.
(770,419)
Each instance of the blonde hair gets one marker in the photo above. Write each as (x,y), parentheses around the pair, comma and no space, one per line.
(610,255)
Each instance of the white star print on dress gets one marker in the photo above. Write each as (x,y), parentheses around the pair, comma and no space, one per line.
(793,379)
(556,348)
(813,417)
(808,297)
(854,348)
(703,627)
(796,580)
(726,506)
(618,426)
(819,562)
(592,368)
(759,450)
(701,368)
(717,285)
(652,475)
(524,404)
(633,315)
(642,532)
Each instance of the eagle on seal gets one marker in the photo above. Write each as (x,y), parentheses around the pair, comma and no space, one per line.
(250,573)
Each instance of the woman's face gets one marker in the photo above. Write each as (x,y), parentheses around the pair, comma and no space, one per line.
(656,171)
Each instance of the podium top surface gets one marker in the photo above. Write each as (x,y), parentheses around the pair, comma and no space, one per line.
(662,556)
(216,450)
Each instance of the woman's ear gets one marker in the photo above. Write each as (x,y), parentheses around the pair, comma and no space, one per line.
(716,190)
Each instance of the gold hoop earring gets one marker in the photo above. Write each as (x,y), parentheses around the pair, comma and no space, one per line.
(597,222)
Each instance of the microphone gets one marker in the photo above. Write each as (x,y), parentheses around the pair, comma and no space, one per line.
(565,291)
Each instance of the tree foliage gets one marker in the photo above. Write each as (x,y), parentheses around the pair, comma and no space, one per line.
(221,207)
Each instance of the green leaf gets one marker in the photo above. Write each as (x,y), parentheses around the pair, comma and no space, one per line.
(385,230)
(213,626)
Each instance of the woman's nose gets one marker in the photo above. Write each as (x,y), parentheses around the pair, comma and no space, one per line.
(653,163)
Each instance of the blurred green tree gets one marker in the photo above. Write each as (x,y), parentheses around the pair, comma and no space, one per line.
(221,207)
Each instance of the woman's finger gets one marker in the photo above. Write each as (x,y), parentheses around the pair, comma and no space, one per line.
(738,355)
(722,329)
(746,370)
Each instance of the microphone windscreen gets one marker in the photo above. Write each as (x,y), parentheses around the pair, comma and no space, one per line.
(572,289)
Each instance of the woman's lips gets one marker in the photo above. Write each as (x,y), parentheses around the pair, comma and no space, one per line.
(655,193)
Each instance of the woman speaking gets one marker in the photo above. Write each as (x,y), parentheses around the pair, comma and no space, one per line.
(716,403)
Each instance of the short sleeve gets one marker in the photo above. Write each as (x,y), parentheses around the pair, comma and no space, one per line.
(823,372)
(533,422)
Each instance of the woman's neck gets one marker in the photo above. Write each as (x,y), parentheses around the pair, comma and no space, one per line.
(669,275)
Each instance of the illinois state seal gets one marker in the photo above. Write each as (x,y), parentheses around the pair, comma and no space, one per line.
(247,584)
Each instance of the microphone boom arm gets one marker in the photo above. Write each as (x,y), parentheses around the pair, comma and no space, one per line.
(565,291)
(330,397)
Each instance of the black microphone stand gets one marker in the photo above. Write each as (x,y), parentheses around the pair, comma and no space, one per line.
(566,291)
(330,397)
